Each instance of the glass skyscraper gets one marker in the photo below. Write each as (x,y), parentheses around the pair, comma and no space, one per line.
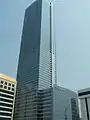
(38,97)
(36,69)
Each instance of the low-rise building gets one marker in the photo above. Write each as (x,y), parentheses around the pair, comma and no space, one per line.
(65,104)
(7,97)
(84,100)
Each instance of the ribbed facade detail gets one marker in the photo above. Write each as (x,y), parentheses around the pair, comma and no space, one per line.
(45,64)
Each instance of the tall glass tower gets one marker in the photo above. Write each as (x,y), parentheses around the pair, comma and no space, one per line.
(38,97)
(36,73)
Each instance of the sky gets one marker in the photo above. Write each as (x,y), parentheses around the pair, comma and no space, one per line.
(72,33)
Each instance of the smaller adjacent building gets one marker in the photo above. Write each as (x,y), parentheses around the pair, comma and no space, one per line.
(84,100)
(65,104)
(7,96)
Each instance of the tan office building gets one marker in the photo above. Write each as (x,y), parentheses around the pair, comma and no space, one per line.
(7,97)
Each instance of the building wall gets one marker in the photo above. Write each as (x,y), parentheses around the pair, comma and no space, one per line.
(83,109)
(45,104)
(28,66)
(84,97)
(45,63)
(62,104)
(88,101)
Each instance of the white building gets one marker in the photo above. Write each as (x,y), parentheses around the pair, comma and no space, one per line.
(7,97)
(84,99)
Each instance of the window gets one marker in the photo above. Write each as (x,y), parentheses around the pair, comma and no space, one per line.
(1,82)
(12,89)
(5,114)
(12,85)
(5,87)
(9,92)
(8,88)
(6,100)
(9,84)
(5,109)
(5,118)
(5,83)
(7,105)
(1,86)
(5,95)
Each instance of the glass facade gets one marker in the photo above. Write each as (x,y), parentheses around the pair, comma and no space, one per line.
(74,108)
(35,68)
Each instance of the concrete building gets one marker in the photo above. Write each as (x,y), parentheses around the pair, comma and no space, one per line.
(7,97)
(84,98)
(65,104)
(37,96)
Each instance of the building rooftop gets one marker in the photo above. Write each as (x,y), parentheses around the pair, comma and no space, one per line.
(6,77)
(84,93)
(83,90)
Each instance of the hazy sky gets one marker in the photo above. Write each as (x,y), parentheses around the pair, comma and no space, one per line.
(72,26)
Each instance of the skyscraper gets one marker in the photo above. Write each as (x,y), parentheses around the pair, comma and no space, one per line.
(38,97)
(36,69)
